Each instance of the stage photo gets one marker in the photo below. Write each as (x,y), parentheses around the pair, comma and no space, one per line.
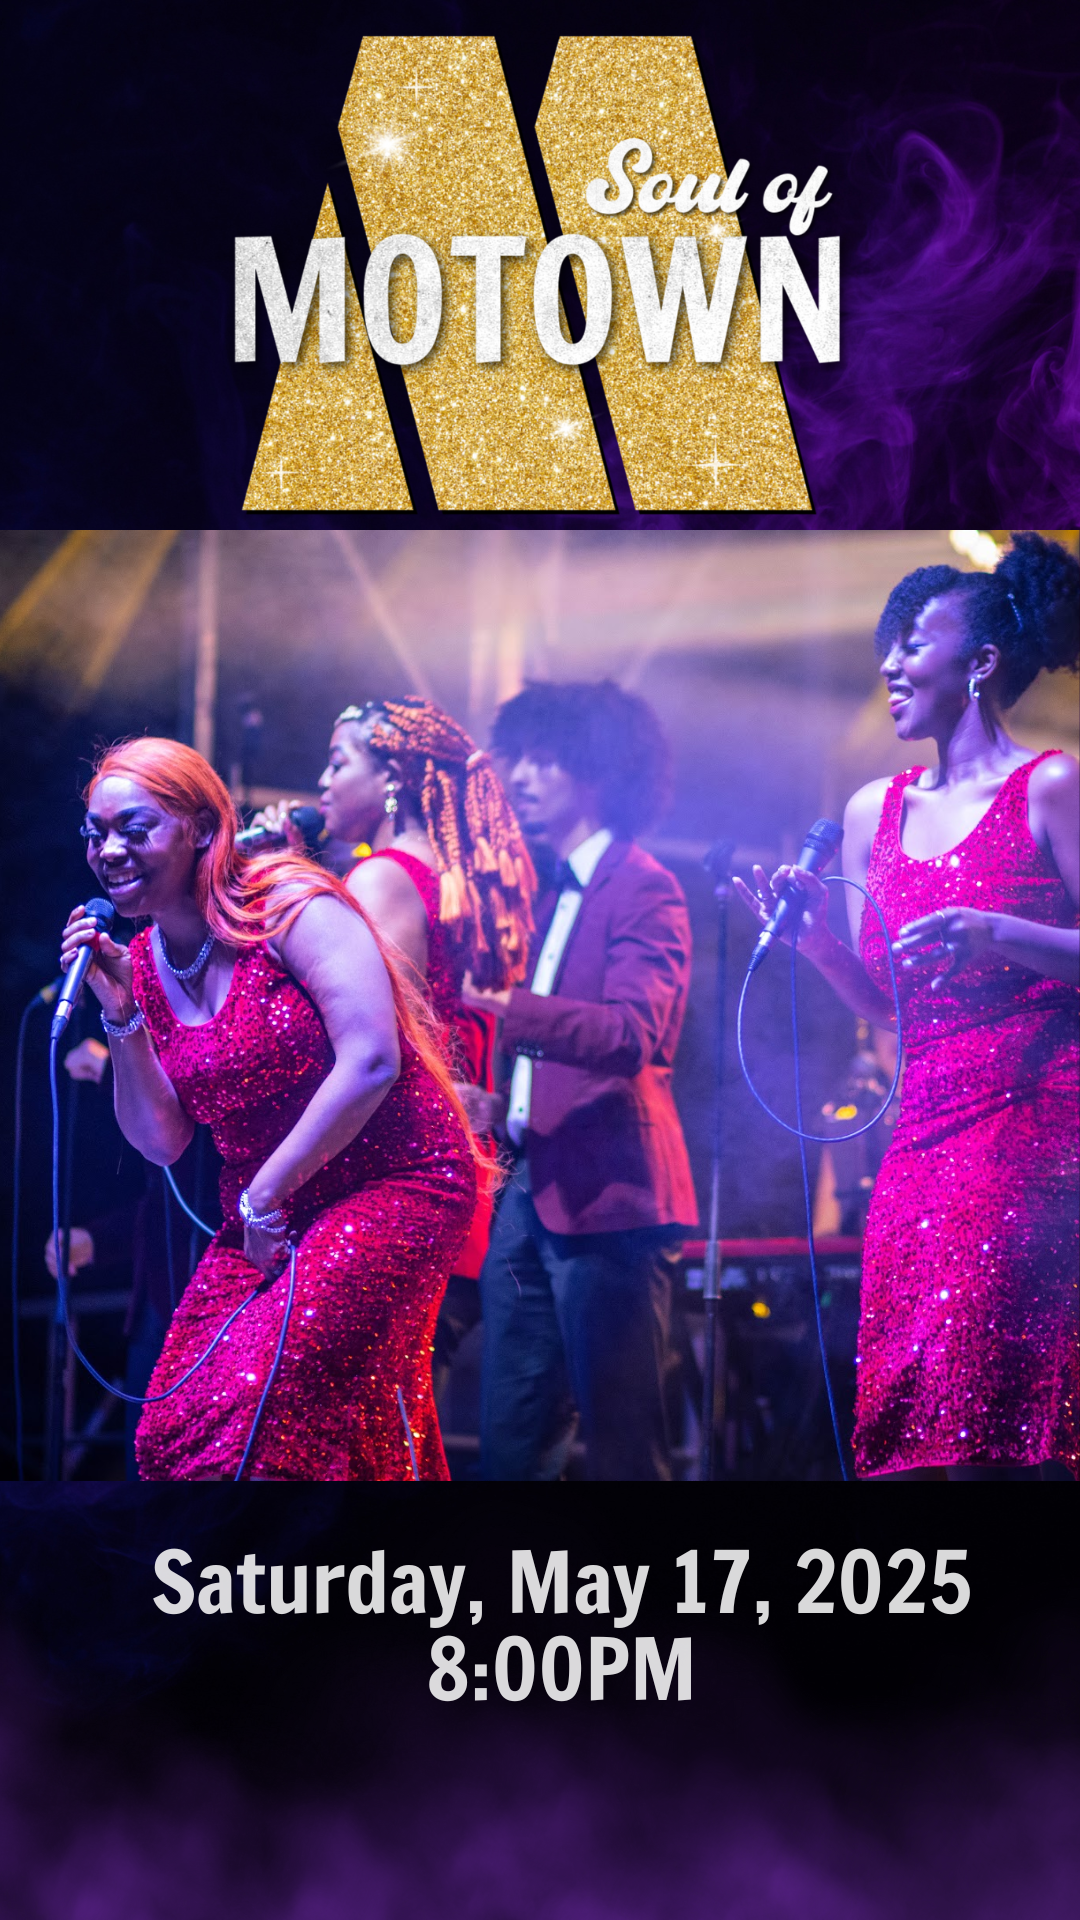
(540,1006)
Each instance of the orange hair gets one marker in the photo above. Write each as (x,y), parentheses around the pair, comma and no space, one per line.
(486,878)
(247,901)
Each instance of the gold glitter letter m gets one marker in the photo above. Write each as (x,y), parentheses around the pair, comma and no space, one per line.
(694,435)
(433,152)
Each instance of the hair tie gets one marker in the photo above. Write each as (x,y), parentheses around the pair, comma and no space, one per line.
(478,758)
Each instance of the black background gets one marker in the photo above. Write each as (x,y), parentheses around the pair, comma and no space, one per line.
(138,144)
(921,1764)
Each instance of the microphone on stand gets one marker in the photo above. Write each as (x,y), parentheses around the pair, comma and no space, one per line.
(309,820)
(102,913)
(818,848)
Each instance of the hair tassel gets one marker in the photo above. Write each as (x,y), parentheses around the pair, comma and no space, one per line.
(453,894)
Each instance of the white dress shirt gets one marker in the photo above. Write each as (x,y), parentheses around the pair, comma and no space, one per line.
(584,861)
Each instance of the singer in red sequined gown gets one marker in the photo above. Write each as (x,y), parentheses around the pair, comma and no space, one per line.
(968,1338)
(469,1037)
(442,871)
(379,1228)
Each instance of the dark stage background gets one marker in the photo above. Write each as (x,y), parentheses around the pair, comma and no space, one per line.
(136,149)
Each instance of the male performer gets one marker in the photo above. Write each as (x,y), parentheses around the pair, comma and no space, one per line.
(575,1285)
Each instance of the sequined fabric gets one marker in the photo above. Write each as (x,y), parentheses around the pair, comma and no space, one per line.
(469,1037)
(968,1339)
(470,1034)
(379,1228)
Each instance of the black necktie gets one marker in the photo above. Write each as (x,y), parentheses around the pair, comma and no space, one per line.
(566,879)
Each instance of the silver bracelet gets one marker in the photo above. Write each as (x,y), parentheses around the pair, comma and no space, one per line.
(267,1221)
(138,1019)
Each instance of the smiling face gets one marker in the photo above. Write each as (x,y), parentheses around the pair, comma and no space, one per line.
(353,786)
(927,671)
(143,856)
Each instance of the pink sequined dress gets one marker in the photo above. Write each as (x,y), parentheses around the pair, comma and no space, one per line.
(379,1229)
(968,1340)
(469,1036)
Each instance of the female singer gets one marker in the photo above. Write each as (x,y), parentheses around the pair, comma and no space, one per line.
(259,1000)
(449,881)
(968,1341)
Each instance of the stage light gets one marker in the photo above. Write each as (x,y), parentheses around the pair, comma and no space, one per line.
(980,548)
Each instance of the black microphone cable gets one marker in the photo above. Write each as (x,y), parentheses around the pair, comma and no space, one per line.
(170,1259)
(272,1375)
(43,998)
(821,1139)
(63,1314)
(182,1203)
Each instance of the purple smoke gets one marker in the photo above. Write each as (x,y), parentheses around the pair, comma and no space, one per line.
(509,1816)
(958,334)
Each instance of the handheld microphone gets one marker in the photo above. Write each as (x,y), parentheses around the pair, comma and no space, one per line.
(818,848)
(268,839)
(103,913)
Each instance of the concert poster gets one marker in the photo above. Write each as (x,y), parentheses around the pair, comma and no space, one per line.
(786,1693)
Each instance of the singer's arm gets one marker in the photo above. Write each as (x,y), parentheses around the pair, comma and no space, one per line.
(332,954)
(148,1112)
(393,901)
(833,958)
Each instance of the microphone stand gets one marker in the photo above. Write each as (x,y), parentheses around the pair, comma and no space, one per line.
(718,865)
(61,1361)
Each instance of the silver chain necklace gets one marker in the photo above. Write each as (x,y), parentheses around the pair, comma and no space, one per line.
(197,965)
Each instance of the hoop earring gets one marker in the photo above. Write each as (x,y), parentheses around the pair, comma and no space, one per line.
(973,688)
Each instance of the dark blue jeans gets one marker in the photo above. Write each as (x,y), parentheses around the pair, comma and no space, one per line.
(575,1319)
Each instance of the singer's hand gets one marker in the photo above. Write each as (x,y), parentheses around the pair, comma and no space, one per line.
(109,979)
(484,999)
(483,1111)
(944,941)
(88,1061)
(765,899)
(276,818)
(80,1251)
(268,1249)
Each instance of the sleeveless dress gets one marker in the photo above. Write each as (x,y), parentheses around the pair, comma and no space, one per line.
(968,1336)
(378,1228)
(469,1036)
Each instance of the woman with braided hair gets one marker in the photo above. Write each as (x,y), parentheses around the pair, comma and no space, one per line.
(443,872)
(968,1337)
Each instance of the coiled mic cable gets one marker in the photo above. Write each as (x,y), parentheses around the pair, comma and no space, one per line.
(63,1315)
(821,1139)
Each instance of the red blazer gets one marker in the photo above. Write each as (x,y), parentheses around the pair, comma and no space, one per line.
(604,1143)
